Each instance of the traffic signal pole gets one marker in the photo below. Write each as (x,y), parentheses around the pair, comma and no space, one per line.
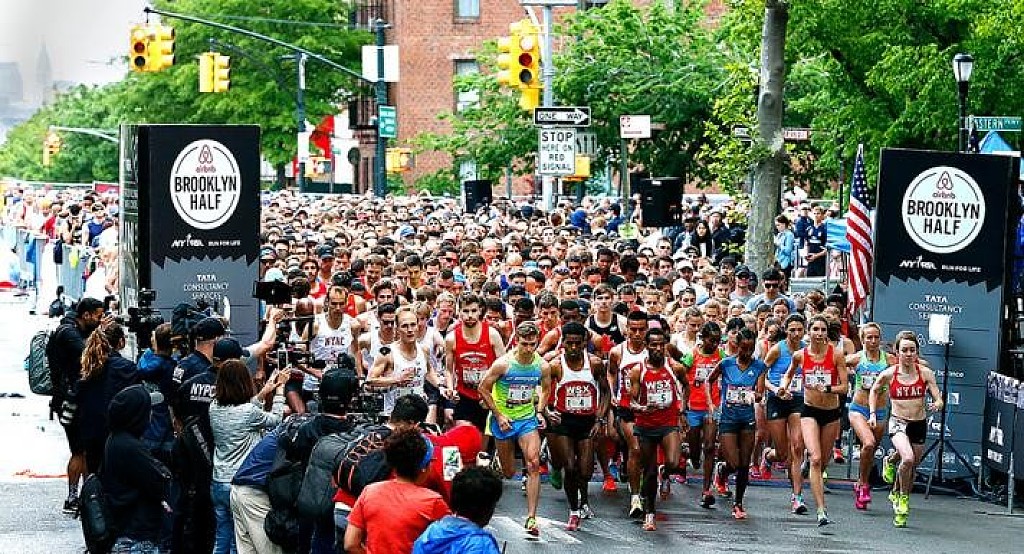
(548,76)
(380,183)
(380,186)
(300,115)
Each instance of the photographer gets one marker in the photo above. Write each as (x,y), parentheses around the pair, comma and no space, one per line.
(205,334)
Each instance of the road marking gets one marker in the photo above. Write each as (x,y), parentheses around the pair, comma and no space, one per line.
(550,530)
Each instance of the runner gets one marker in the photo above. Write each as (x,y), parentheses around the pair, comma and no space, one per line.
(470,350)
(621,360)
(742,386)
(405,366)
(578,416)
(657,398)
(509,390)
(611,327)
(866,366)
(824,381)
(700,363)
(783,408)
(907,382)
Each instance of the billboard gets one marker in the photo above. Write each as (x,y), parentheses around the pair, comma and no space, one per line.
(942,229)
(190,218)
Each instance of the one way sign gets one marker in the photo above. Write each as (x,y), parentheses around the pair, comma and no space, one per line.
(562,116)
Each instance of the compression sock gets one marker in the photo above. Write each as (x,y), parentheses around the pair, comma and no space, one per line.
(742,478)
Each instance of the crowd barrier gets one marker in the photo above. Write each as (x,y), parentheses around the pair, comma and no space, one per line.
(35,257)
(1003,435)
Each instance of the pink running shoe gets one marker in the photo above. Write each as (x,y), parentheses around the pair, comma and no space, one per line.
(865,495)
(858,498)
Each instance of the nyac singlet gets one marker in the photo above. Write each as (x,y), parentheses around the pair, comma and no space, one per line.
(629,360)
(913,391)
(576,392)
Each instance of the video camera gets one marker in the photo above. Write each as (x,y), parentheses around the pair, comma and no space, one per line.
(142,319)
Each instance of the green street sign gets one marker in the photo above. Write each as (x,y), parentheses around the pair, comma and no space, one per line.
(995,123)
(387,122)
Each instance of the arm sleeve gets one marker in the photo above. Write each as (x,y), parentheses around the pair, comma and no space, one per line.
(356,516)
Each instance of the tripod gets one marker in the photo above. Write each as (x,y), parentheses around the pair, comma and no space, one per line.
(943,443)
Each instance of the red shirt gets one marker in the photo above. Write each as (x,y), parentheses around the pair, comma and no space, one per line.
(821,372)
(393,514)
(472,360)
(659,392)
(453,451)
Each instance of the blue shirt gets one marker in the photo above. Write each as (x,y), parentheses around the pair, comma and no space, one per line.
(738,383)
(254,470)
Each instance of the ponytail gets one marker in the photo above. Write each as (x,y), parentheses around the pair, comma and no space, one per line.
(97,351)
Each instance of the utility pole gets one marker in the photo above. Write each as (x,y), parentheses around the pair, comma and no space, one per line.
(380,183)
(548,76)
(300,109)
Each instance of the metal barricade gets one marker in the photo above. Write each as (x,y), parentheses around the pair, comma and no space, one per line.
(72,271)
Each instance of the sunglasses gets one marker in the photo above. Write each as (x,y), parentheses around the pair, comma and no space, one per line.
(771,285)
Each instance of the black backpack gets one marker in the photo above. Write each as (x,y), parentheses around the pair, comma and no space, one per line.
(356,454)
(283,484)
(99,537)
(40,381)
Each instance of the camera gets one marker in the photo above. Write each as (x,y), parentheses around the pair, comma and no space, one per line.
(142,319)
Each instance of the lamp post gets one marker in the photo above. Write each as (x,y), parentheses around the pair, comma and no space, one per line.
(963,65)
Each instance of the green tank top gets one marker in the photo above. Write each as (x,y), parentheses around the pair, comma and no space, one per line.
(867,371)
(514,392)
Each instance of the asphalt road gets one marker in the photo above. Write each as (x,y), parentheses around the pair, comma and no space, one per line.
(33,455)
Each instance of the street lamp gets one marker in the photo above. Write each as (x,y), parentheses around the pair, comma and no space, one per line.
(963,65)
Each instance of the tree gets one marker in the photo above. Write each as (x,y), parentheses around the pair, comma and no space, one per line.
(768,172)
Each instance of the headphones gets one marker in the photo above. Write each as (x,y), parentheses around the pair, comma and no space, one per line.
(429,455)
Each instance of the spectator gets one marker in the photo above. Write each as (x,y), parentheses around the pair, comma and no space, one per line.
(135,483)
(389,516)
(475,494)
(785,246)
(104,374)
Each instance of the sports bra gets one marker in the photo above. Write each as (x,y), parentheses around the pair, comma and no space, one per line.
(913,391)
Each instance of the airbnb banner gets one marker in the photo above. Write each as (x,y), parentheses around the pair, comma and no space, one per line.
(190,217)
(941,247)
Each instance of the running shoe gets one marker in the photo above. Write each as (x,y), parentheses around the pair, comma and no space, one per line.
(574,522)
(858,497)
(613,470)
(755,473)
(824,477)
(586,512)
(903,504)
(531,527)
(865,492)
(899,521)
(738,512)
(799,507)
(555,478)
(71,506)
(649,523)
(636,507)
(823,518)
(707,500)
(766,466)
(889,471)
(837,455)
(609,483)
(721,480)
(483,459)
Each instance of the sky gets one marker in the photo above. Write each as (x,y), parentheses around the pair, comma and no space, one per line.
(83,37)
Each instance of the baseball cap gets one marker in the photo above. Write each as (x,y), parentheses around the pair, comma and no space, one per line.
(268,253)
(228,349)
(208,329)
(584,290)
(325,251)
(337,386)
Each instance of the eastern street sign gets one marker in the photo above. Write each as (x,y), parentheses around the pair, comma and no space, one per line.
(565,116)
(995,123)
(388,122)
(557,151)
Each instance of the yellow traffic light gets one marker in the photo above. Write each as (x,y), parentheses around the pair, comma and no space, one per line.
(221,73)
(138,48)
(51,147)
(508,59)
(398,160)
(206,71)
(528,49)
(162,48)
(529,99)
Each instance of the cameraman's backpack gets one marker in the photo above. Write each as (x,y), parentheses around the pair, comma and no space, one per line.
(37,365)
(283,484)
(95,519)
(332,453)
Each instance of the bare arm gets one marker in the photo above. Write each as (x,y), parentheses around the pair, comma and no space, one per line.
(497,343)
(486,386)
(798,360)
(715,374)
(597,368)
(938,402)
(381,366)
(880,383)
(449,360)
(431,375)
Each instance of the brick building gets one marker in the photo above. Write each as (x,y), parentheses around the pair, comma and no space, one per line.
(436,40)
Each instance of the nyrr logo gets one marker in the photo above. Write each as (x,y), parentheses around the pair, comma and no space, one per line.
(187,242)
(205,184)
(919,263)
(943,210)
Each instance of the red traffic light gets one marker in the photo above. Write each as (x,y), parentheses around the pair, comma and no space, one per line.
(526,59)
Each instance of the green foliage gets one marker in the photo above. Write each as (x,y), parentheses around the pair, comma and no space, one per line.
(263,86)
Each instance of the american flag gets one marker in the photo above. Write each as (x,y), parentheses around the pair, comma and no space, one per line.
(858,233)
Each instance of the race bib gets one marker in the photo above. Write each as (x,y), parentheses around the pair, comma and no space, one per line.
(796,386)
(658,397)
(739,396)
(817,378)
(519,395)
(472,377)
(583,403)
(702,373)
(452,459)
(868,380)
(403,391)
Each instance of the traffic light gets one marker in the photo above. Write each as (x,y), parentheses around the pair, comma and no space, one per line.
(138,48)
(51,147)
(529,99)
(528,55)
(398,160)
(206,71)
(221,73)
(161,48)
(508,59)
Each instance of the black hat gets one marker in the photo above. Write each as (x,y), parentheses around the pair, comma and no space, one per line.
(337,388)
(324,251)
(584,290)
(228,349)
(208,329)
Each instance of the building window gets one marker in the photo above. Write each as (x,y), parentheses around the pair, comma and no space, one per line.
(467,9)
(466,98)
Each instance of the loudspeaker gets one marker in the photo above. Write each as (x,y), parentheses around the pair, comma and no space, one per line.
(476,194)
(661,202)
